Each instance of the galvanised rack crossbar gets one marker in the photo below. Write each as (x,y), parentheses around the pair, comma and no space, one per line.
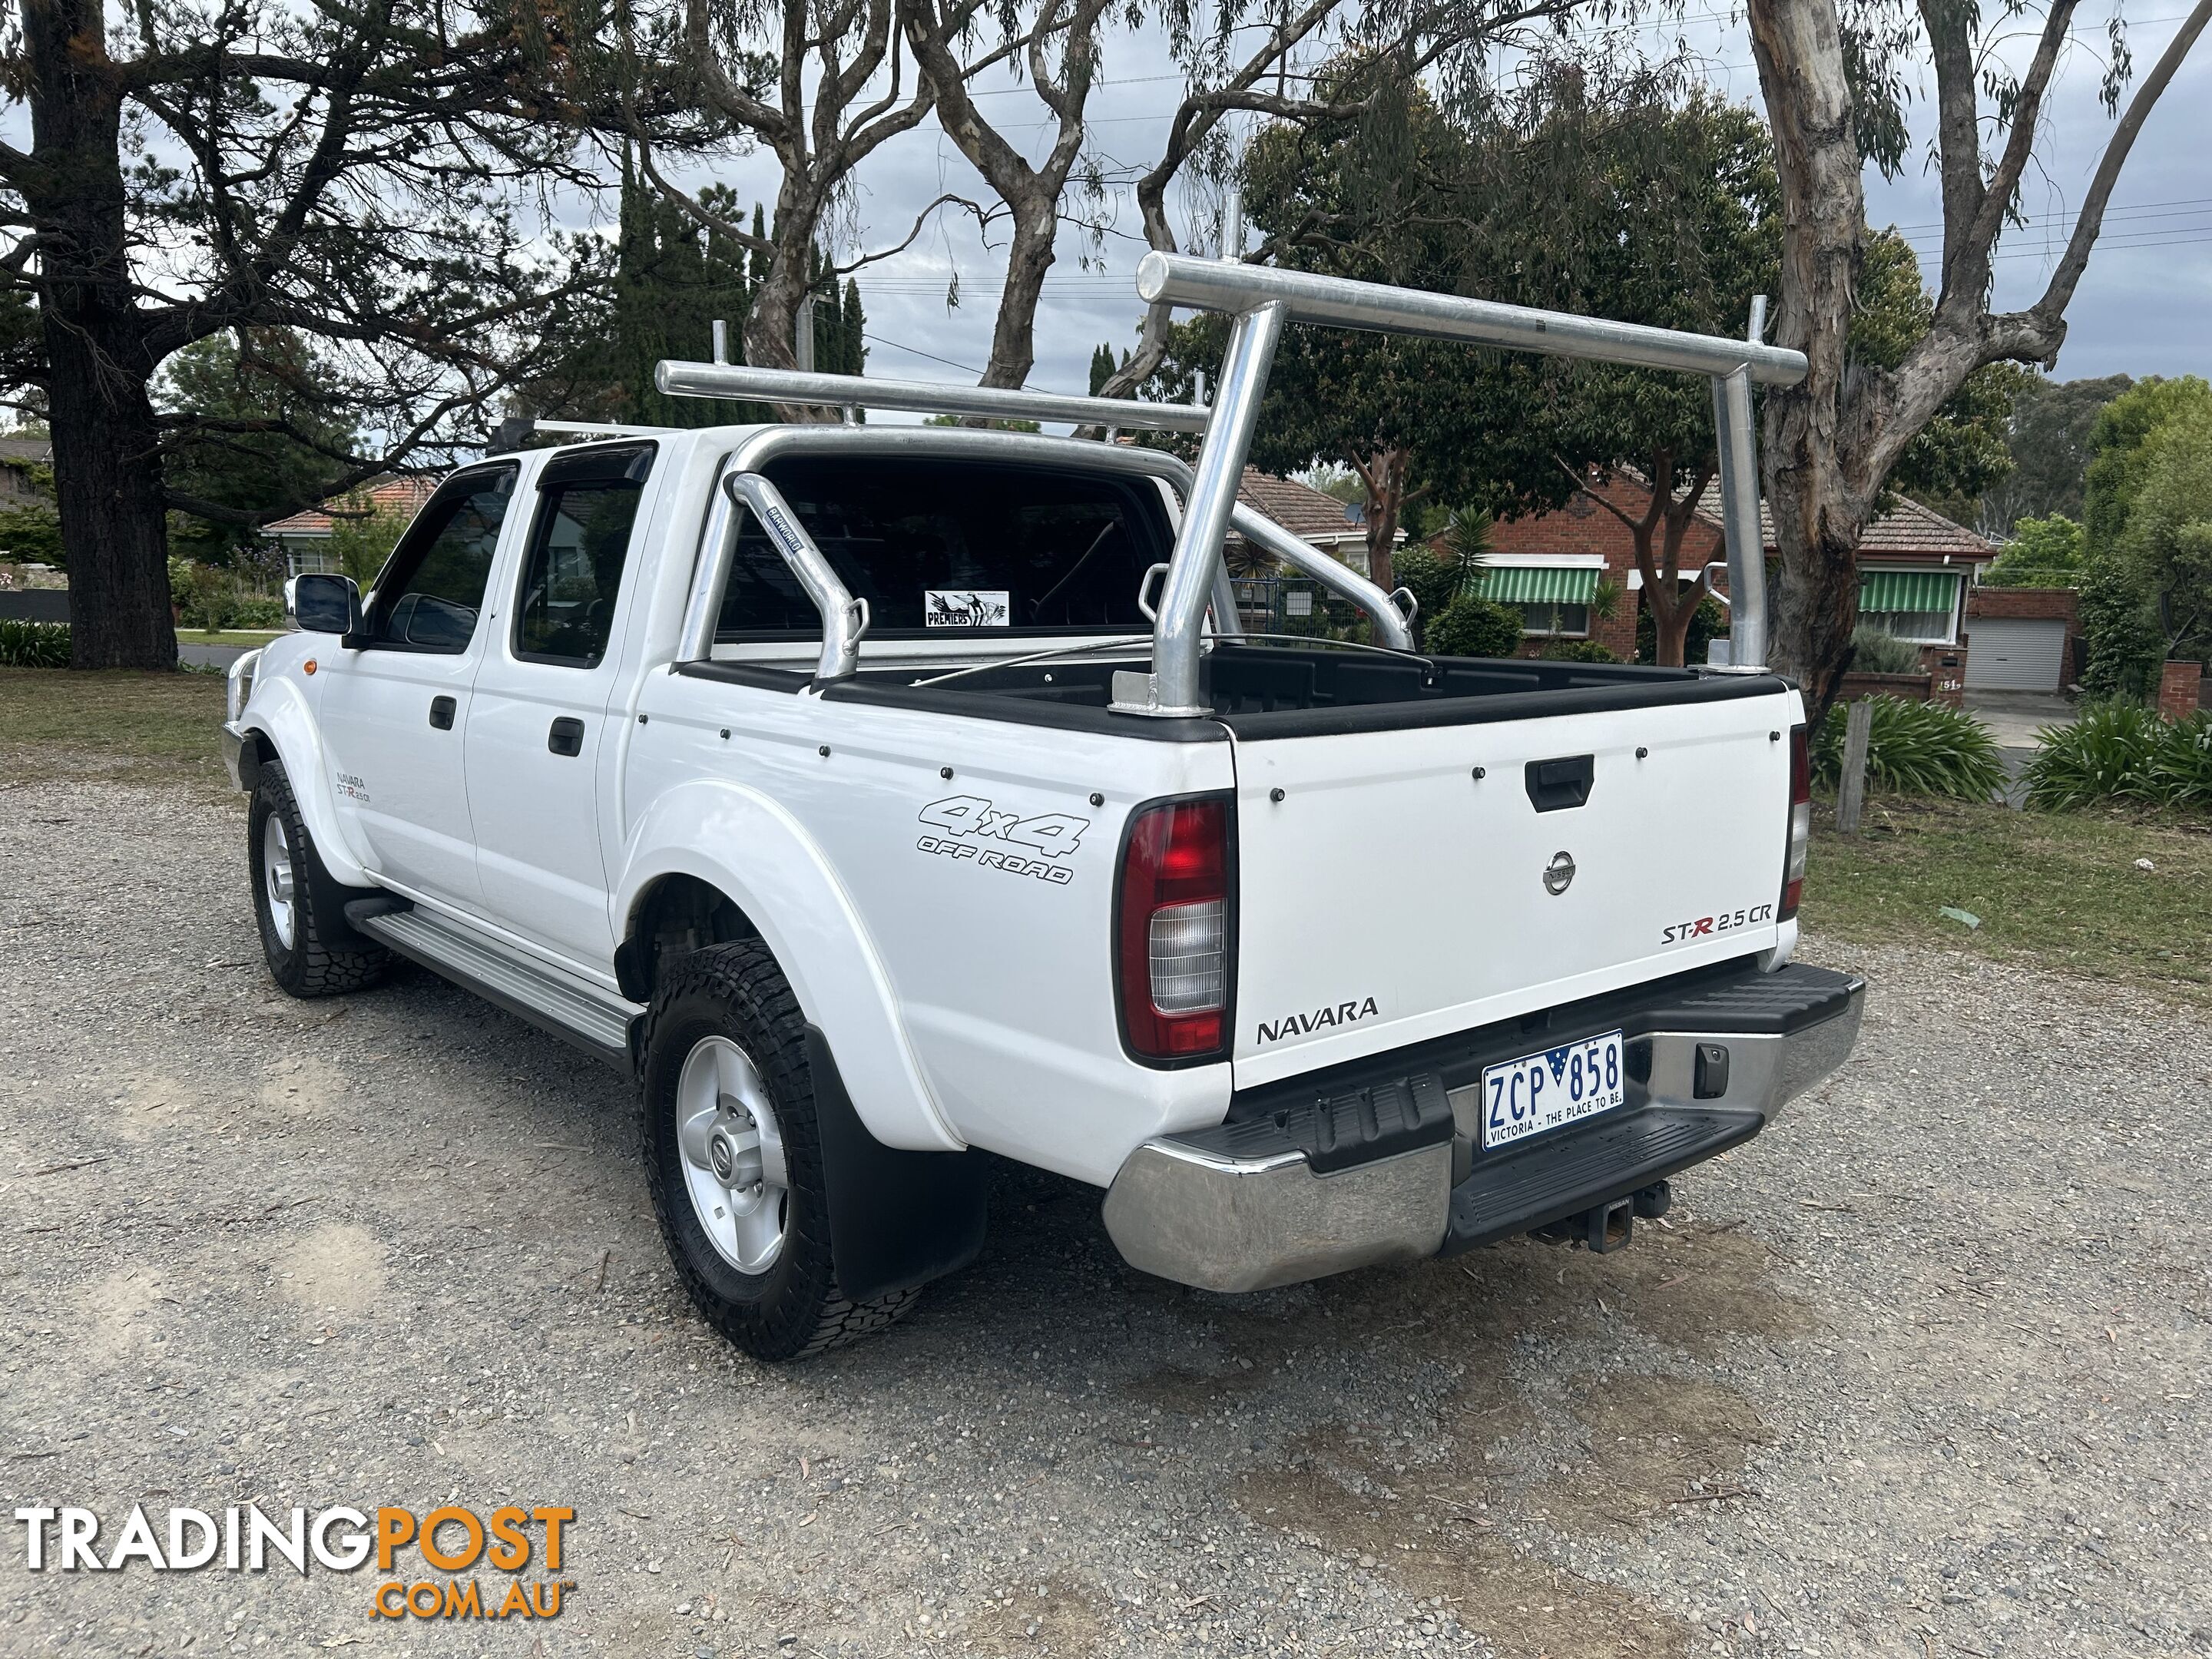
(788,386)
(1263,300)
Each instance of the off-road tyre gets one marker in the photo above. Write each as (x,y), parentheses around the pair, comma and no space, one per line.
(324,957)
(793,1309)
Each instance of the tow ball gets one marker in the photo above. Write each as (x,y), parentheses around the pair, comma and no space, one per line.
(1604,1228)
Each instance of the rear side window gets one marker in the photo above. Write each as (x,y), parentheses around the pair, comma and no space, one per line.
(586,509)
(432,589)
(939,544)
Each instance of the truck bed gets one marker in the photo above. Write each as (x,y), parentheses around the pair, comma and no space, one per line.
(1262,692)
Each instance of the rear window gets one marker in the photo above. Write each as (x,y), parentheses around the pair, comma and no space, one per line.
(938,545)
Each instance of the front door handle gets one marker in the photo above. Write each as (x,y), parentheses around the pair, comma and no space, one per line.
(442,713)
(567,737)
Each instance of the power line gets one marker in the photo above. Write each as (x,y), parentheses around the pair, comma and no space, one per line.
(2129,210)
(916,351)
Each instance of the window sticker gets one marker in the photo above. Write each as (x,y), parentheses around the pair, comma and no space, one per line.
(966,607)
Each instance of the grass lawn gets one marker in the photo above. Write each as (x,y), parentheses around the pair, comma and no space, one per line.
(57,723)
(249,637)
(2058,889)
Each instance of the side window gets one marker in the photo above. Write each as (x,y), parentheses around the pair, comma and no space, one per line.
(575,568)
(430,594)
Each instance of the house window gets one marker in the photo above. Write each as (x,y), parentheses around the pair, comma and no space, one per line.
(1920,605)
(1553,599)
(1555,620)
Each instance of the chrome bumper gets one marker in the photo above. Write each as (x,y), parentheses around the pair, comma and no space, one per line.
(1218,1222)
(1225,1224)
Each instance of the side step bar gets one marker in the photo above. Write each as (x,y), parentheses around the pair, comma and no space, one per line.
(595,1020)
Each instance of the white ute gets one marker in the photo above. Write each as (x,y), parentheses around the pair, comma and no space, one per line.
(879,796)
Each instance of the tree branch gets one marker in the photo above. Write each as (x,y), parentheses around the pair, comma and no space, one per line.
(2050,309)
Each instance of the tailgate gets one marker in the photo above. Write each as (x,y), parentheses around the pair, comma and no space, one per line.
(1388,896)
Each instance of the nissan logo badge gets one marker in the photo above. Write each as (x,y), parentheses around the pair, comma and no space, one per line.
(1559,874)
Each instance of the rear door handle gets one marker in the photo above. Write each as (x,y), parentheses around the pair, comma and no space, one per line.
(567,737)
(442,713)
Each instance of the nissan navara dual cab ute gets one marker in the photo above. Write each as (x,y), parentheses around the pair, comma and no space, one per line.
(819,776)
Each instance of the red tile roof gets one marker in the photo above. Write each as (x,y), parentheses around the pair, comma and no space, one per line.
(1300,508)
(1907,531)
(404,495)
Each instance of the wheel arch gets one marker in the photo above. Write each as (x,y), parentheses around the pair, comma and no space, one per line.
(281,728)
(714,861)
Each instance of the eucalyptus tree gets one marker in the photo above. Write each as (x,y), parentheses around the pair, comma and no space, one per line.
(820,84)
(360,174)
(1060,43)
(1834,79)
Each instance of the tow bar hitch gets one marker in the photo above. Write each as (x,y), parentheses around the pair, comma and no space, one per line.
(1605,1228)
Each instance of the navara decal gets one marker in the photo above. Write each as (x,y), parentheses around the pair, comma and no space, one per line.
(974,830)
(1348,1012)
(353,788)
(1724,921)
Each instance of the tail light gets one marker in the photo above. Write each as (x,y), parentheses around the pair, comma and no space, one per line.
(1801,822)
(1172,943)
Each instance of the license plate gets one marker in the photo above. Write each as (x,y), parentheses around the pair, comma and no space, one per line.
(1543,1091)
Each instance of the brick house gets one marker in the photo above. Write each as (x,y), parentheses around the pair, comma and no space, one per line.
(1323,520)
(1915,568)
(305,536)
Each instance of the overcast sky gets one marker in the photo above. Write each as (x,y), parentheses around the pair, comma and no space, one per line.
(2142,307)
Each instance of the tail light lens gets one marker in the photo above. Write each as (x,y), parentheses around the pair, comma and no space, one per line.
(1173,949)
(1801,822)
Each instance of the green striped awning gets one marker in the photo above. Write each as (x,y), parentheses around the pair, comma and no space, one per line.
(1524,584)
(1909,590)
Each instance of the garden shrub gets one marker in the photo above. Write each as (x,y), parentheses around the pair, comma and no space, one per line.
(1472,626)
(1578,651)
(1433,582)
(1874,652)
(1915,748)
(33,644)
(2123,752)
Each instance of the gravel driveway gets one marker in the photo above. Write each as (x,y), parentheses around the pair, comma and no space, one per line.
(1920,1371)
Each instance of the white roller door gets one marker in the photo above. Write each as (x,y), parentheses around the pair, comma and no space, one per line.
(2014,654)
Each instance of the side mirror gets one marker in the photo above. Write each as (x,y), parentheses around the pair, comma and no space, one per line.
(324,604)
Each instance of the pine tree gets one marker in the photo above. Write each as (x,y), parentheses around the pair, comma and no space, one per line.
(1101,368)
(856,330)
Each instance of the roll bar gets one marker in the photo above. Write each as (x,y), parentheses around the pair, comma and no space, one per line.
(1261,299)
(739,485)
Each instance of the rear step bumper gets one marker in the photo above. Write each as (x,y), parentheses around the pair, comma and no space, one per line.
(1381,1162)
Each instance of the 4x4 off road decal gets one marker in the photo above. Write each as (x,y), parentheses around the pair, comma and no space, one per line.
(974,830)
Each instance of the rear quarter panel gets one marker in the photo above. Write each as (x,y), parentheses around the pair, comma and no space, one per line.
(1000,980)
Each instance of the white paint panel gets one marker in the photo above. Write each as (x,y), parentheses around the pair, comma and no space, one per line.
(1386,871)
(2014,654)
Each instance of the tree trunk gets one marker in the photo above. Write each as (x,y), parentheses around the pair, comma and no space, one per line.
(1819,509)
(107,463)
(107,482)
(1013,341)
(1384,473)
(772,318)
(1670,630)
